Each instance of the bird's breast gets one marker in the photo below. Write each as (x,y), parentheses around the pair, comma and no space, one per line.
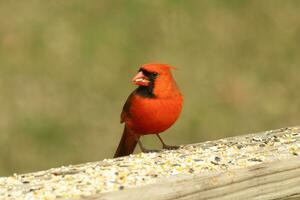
(153,115)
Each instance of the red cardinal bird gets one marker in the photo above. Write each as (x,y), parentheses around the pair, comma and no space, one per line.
(151,108)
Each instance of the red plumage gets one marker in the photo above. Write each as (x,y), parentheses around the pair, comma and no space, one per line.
(150,109)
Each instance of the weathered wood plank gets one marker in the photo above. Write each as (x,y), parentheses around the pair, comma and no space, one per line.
(272,180)
(256,166)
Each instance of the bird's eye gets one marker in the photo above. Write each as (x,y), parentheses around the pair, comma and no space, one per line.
(146,73)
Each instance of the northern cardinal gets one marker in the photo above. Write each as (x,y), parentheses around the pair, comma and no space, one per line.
(151,108)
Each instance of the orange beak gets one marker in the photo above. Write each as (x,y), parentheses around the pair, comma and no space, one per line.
(140,79)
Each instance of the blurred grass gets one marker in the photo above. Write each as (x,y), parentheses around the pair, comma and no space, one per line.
(65,70)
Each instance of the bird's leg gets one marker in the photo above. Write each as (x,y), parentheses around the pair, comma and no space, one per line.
(165,146)
(144,150)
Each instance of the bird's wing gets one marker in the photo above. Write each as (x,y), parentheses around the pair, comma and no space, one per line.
(126,108)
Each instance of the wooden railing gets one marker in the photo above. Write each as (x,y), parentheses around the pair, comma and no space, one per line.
(256,166)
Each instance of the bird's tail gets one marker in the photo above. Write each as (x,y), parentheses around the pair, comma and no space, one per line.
(127,144)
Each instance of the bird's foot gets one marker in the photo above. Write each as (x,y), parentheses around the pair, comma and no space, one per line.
(170,147)
(150,150)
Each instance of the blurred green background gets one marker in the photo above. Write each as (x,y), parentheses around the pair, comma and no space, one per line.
(66,66)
